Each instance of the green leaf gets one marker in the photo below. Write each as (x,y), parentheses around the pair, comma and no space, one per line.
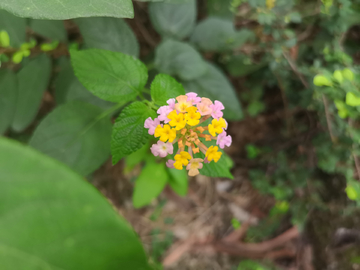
(65,9)
(241,65)
(149,184)
(321,80)
(50,29)
(220,8)
(179,59)
(68,88)
(173,20)
(129,134)
(208,86)
(218,169)
(14,26)
(33,80)
(77,134)
(8,95)
(4,39)
(338,76)
(215,34)
(50,218)
(164,87)
(109,34)
(111,76)
(348,74)
(178,181)
(352,99)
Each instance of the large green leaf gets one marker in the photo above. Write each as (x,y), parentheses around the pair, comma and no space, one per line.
(215,34)
(15,26)
(129,134)
(150,183)
(77,134)
(164,87)
(179,59)
(8,94)
(33,80)
(173,20)
(112,76)
(68,88)
(54,30)
(215,85)
(109,34)
(50,218)
(68,9)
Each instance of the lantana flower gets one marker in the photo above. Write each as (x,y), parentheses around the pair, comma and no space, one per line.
(182,122)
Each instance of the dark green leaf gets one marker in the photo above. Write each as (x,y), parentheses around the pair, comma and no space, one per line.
(129,134)
(241,65)
(220,8)
(208,86)
(33,79)
(65,9)
(50,218)
(8,95)
(109,34)
(77,134)
(50,29)
(15,26)
(112,76)
(215,34)
(173,20)
(178,181)
(165,87)
(150,183)
(179,59)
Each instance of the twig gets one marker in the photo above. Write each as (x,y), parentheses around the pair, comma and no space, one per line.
(356,159)
(286,105)
(328,118)
(296,71)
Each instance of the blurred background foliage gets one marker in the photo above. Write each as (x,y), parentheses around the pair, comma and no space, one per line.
(286,71)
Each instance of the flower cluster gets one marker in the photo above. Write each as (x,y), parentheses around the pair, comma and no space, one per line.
(180,122)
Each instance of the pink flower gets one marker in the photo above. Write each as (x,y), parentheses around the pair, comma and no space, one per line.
(162,149)
(170,163)
(204,106)
(217,109)
(193,98)
(171,103)
(151,125)
(223,140)
(163,112)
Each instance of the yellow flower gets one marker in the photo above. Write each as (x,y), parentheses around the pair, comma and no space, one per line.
(194,166)
(213,154)
(192,117)
(182,159)
(217,126)
(182,104)
(177,120)
(165,133)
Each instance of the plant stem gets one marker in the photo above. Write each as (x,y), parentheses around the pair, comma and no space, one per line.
(328,121)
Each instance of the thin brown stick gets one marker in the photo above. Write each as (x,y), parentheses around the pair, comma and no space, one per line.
(295,69)
(328,121)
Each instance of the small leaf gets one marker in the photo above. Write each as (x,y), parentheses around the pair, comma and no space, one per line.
(164,87)
(17,57)
(348,74)
(338,76)
(179,59)
(75,134)
(8,95)
(14,26)
(352,99)
(321,80)
(129,134)
(112,76)
(173,20)
(109,34)
(208,86)
(149,184)
(33,80)
(4,39)
(50,29)
(178,181)
(215,34)
(63,10)
(47,47)
(351,193)
(50,218)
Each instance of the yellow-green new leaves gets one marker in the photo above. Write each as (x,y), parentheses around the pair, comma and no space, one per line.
(4,39)
(348,74)
(129,134)
(338,76)
(68,9)
(352,99)
(321,80)
(51,218)
(112,76)
(342,111)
